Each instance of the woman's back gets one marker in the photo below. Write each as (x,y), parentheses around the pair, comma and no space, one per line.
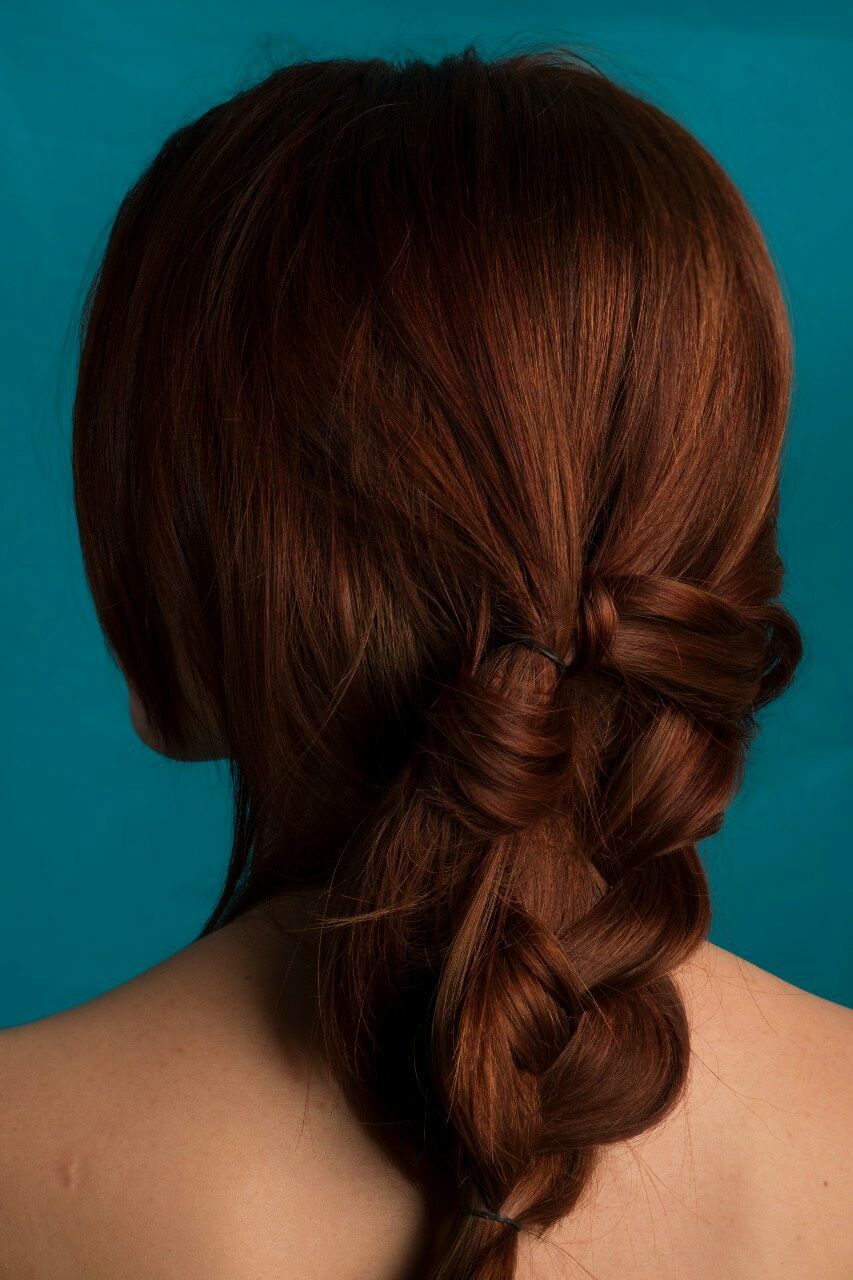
(182,1126)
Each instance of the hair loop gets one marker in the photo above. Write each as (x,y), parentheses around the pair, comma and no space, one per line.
(594,630)
(595,627)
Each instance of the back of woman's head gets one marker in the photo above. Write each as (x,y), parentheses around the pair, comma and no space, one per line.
(385,367)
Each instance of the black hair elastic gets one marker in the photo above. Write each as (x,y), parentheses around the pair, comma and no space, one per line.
(494,1217)
(530,643)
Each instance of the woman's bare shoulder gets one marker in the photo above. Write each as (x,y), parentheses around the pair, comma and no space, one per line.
(751,1176)
(130,1119)
(776,1038)
(761,1142)
(178,1125)
(777,1063)
(104,1116)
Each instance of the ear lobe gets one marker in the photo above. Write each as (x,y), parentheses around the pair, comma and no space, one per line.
(195,751)
(144,730)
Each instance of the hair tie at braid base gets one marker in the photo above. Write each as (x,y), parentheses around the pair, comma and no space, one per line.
(494,1217)
(561,666)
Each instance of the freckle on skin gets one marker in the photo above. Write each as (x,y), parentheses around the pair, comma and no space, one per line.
(67,1170)
(825,1183)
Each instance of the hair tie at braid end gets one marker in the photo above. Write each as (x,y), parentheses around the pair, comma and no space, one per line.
(493,1217)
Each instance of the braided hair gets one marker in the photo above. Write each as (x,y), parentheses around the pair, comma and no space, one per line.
(387,365)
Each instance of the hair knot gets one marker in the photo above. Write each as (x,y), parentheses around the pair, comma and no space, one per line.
(595,627)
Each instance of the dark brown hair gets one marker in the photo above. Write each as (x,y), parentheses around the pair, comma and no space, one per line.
(384,366)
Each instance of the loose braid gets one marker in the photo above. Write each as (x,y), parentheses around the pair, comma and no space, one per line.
(548,1032)
(446,357)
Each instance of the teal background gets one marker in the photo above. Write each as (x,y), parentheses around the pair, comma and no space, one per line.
(112,856)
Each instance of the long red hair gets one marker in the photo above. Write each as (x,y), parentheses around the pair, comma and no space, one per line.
(385,366)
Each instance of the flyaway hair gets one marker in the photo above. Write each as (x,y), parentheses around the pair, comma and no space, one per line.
(385,365)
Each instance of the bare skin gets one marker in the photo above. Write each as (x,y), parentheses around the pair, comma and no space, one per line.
(182,1127)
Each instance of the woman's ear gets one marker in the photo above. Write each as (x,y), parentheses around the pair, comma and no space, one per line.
(140,721)
(203,746)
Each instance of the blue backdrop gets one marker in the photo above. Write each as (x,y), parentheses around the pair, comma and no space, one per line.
(113,856)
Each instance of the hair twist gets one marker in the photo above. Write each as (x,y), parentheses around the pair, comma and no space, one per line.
(596,625)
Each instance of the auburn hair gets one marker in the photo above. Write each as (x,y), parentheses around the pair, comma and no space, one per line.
(386,366)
